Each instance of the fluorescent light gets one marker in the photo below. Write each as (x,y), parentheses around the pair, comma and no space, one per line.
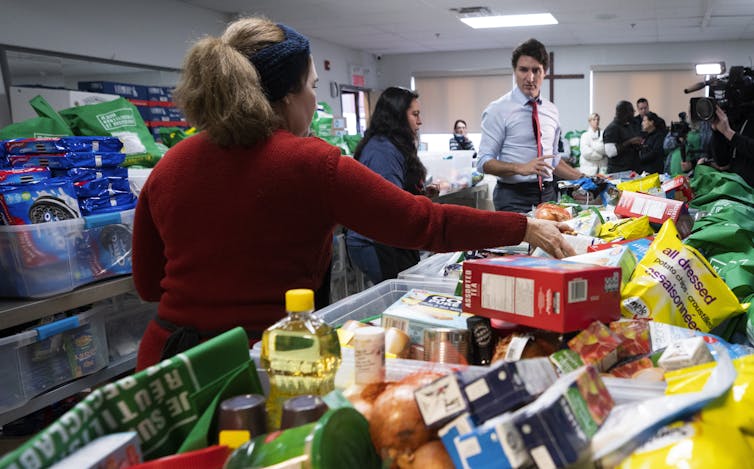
(509,21)
(715,68)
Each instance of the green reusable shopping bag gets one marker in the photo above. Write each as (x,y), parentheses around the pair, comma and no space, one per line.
(121,119)
(48,124)
(171,405)
(710,184)
(321,125)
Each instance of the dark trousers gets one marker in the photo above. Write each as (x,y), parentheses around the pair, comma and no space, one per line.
(522,197)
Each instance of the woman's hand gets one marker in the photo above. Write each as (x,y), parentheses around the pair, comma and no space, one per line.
(547,235)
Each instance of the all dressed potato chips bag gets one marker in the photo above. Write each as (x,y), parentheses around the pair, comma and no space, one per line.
(676,285)
(735,408)
(692,445)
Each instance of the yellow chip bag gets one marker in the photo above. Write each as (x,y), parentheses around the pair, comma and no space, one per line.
(643,184)
(676,285)
(692,445)
(626,228)
(735,408)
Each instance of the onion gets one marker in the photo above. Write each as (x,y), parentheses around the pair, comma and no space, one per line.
(396,422)
(431,455)
(547,211)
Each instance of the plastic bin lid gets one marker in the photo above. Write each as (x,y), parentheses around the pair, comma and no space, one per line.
(211,457)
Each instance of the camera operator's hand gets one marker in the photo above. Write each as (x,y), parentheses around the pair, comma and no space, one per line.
(721,123)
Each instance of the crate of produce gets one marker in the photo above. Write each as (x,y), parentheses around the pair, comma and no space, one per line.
(127,317)
(45,259)
(37,360)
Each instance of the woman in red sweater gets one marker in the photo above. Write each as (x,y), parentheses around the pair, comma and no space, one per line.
(236,215)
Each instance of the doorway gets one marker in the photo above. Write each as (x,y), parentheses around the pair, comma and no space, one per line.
(354,102)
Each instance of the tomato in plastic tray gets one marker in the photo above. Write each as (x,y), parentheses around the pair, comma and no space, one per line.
(634,336)
(597,345)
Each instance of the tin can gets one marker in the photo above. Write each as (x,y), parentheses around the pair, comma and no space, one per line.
(444,345)
(244,412)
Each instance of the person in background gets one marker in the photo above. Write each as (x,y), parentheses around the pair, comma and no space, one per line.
(622,140)
(460,141)
(651,153)
(684,151)
(733,150)
(593,158)
(523,159)
(234,216)
(389,148)
(642,108)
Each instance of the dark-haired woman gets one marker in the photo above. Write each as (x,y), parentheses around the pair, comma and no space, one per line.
(389,149)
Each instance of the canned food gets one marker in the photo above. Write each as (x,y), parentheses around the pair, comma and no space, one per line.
(444,345)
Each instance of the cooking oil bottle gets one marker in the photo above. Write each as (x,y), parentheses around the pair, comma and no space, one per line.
(301,354)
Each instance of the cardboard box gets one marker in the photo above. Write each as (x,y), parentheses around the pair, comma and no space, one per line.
(127,90)
(508,385)
(539,292)
(678,188)
(638,247)
(558,426)
(419,309)
(160,94)
(658,209)
(618,256)
(497,443)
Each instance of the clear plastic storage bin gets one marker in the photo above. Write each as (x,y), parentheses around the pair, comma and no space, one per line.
(374,300)
(451,170)
(126,320)
(431,269)
(46,259)
(37,360)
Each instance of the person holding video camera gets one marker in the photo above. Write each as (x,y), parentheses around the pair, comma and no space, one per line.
(733,144)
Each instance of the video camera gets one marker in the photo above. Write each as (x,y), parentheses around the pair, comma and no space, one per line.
(680,129)
(734,93)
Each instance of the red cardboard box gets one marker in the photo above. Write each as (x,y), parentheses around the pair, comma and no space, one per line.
(541,292)
(678,188)
(658,209)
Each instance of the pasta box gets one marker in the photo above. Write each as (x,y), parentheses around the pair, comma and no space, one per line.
(541,292)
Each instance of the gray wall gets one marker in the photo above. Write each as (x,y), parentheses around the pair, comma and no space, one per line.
(155,33)
(571,96)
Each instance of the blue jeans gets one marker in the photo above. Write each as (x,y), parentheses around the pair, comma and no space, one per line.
(364,256)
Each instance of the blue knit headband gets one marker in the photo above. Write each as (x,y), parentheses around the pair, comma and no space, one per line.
(280,65)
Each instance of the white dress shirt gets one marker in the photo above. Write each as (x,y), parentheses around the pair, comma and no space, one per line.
(508,136)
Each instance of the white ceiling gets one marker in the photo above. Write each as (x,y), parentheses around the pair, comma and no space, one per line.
(410,26)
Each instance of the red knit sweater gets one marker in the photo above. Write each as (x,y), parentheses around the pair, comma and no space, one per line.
(221,233)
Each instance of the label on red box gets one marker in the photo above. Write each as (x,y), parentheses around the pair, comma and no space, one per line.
(540,292)
(678,188)
(658,209)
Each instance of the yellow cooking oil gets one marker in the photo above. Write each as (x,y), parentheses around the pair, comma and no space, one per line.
(300,353)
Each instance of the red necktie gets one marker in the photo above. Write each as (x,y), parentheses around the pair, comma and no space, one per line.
(537,135)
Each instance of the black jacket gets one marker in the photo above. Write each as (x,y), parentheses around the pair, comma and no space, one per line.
(739,152)
(651,154)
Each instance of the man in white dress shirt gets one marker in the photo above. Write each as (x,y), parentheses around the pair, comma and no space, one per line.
(509,147)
